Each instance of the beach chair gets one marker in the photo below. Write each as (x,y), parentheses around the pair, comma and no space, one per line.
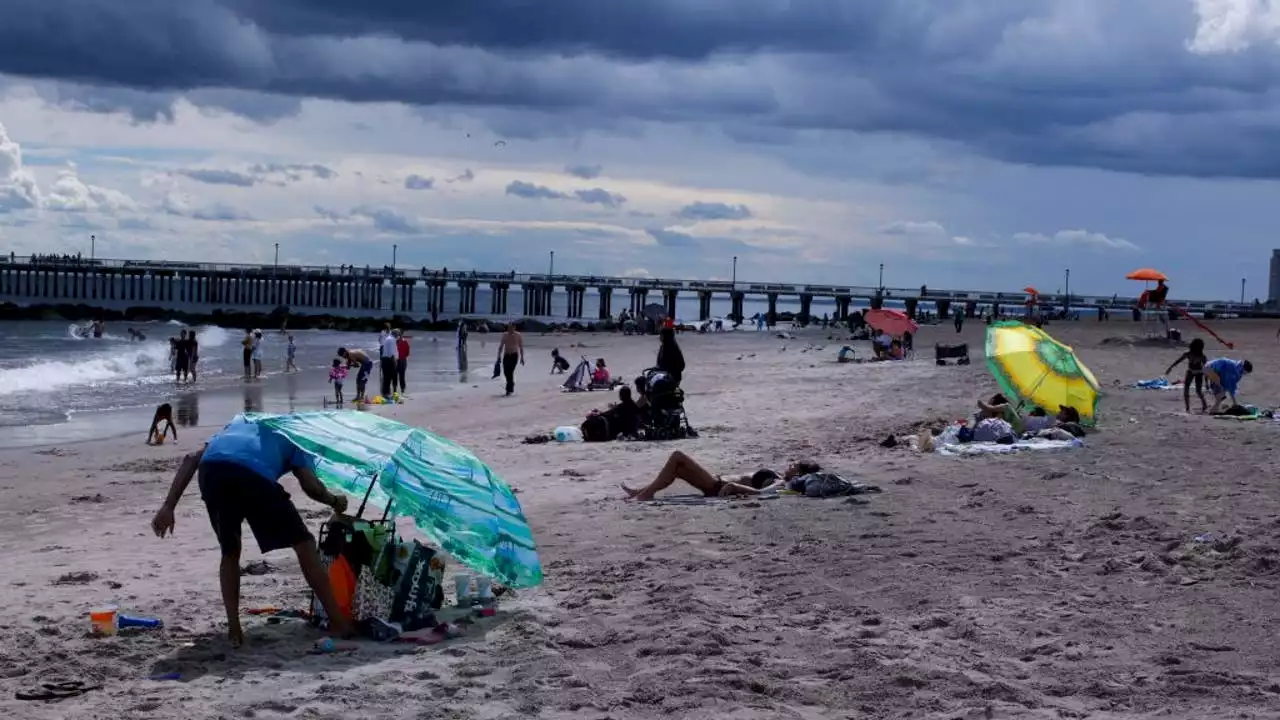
(959,353)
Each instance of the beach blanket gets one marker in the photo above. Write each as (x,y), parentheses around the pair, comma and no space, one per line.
(704,500)
(1157,384)
(991,448)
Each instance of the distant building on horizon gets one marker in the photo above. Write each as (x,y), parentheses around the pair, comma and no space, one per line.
(1273,287)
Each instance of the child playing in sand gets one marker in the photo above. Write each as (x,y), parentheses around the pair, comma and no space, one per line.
(337,374)
(558,363)
(1224,376)
(155,436)
(1196,361)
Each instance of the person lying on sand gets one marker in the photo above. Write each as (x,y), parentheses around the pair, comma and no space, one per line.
(682,467)
(155,436)
(1040,419)
(1224,376)
(998,407)
(239,475)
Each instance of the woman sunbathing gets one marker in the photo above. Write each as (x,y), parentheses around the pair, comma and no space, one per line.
(682,467)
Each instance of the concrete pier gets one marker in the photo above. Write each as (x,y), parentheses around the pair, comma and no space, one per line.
(208,287)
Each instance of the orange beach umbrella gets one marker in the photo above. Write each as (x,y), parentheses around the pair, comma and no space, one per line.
(1146,275)
(1030,290)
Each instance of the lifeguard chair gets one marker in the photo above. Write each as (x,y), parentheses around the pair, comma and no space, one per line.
(1154,315)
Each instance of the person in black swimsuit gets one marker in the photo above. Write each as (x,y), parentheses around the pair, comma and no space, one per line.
(1196,360)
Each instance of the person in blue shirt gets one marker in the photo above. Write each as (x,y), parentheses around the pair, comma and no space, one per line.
(1223,376)
(239,472)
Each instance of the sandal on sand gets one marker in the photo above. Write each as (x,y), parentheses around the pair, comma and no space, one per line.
(58,690)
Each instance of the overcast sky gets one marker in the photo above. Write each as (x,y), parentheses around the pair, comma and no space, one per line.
(961,143)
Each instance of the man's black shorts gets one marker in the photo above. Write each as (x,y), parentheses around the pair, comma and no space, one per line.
(234,494)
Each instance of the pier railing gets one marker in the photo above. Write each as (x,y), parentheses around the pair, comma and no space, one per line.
(440,275)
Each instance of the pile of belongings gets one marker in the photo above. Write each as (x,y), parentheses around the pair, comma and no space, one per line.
(378,578)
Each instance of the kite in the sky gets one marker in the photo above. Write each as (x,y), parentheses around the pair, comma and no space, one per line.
(500,143)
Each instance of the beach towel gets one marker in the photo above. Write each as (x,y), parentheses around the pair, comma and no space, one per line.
(704,500)
(991,448)
(1157,384)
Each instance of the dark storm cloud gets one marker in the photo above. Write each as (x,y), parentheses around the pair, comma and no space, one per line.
(594,196)
(676,239)
(586,172)
(529,191)
(220,177)
(388,221)
(269,173)
(417,182)
(1093,83)
(599,196)
(713,211)
(672,238)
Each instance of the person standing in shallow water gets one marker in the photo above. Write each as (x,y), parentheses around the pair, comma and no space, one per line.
(402,358)
(511,352)
(246,345)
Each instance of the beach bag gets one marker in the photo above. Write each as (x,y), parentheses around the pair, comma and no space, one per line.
(826,485)
(596,428)
(419,593)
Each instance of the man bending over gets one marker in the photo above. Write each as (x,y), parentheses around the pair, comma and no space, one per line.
(239,476)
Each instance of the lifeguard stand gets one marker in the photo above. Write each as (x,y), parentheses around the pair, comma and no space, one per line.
(1154,316)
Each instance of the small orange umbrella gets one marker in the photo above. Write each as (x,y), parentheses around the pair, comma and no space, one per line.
(1147,275)
(1031,290)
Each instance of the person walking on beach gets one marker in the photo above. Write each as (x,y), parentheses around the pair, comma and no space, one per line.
(239,472)
(1196,360)
(291,356)
(402,358)
(387,360)
(246,346)
(511,352)
(959,320)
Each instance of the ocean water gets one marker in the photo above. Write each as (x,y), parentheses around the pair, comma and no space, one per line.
(56,387)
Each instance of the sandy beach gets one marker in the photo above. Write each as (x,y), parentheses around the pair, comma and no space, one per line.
(1043,585)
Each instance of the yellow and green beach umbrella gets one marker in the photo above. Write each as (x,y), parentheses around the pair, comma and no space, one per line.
(1039,371)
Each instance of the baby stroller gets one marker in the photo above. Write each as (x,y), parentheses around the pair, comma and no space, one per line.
(663,416)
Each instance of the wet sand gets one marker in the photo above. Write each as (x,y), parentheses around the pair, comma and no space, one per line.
(1035,585)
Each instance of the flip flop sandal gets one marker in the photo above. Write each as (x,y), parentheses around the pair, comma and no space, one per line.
(58,691)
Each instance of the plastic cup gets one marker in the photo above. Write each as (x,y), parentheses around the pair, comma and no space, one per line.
(102,620)
(462,587)
(484,587)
